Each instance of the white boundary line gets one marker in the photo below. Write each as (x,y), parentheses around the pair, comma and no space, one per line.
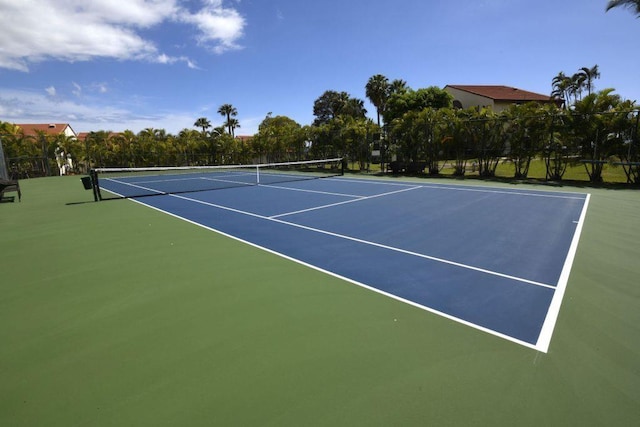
(546,333)
(544,339)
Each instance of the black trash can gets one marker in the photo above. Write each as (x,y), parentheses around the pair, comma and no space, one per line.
(86,182)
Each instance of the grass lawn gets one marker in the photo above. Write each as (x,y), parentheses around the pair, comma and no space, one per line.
(576,173)
(115,314)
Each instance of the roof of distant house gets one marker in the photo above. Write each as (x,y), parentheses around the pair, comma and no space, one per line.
(502,93)
(32,129)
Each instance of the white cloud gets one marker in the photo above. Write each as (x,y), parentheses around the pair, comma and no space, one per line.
(78,30)
(34,107)
(220,27)
(164,59)
(92,114)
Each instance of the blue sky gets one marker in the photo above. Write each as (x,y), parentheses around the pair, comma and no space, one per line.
(133,64)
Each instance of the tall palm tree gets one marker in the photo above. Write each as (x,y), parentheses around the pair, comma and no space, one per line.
(377,90)
(233,123)
(577,85)
(629,4)
(560,88)
(228,111)
(589,75)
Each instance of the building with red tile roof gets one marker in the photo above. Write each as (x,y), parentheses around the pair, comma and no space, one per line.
(496,97)
(64,161)
(33,129)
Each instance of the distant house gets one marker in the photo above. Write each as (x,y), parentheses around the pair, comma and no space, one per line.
(64,160)
(497,98)
(33,129)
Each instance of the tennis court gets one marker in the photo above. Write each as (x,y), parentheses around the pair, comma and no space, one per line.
(116,314)
(497,260)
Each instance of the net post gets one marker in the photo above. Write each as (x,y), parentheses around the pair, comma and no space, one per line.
(97,196)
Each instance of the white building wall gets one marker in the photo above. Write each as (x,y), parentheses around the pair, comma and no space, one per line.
(69,132)
(469,99)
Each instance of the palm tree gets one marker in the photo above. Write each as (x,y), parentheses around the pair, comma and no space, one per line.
(228,111)
(127,142)
(594,124)
(97,147)
(233,123)
(630,4)
(377,90)
(577,85)
(560,85)
(203,123)
(588,75)
(398,86)
(354,107)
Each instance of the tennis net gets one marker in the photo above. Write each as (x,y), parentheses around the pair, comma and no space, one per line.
(152,181)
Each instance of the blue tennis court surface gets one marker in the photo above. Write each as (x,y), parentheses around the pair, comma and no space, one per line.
(492,258)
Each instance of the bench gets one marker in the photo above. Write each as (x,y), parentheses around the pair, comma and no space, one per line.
(7,186)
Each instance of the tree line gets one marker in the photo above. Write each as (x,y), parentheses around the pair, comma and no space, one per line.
(416,131)
(599,129)
(419,131)
(40,154)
